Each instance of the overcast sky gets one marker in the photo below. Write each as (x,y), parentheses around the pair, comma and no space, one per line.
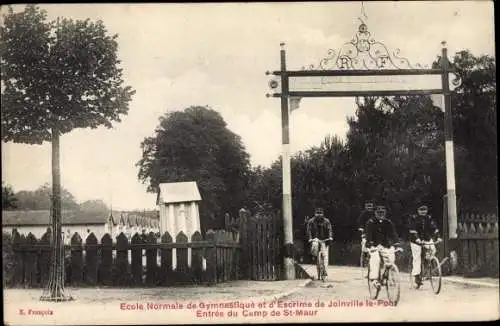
(178,55)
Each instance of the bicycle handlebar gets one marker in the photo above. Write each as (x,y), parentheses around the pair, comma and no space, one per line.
(375,249)
(423,243)
(323,241)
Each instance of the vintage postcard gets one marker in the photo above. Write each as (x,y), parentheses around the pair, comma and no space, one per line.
(211,163)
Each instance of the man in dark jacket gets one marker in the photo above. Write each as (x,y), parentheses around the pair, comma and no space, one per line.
(380,239)
(422,227)
(319,229)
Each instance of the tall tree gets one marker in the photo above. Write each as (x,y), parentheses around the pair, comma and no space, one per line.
(396,148)
(265,186)
(475,130)
(196,145)
(318,180)
(57,76)
(9,200)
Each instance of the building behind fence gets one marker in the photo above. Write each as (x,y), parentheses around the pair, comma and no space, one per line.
(37,222)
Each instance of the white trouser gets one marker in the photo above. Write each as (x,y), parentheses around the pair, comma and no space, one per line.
(324,249)
(363,244)
(416,253)
(388,255)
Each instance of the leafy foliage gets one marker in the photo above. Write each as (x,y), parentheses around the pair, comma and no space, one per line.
(9,200)
(8,259)
(94,205)
(475,129)
(60,74)
(196,145)
(41,199)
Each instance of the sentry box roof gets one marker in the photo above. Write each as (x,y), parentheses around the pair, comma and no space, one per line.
(178,192)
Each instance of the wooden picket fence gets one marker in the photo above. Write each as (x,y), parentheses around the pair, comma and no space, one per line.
(261,243)
(208,260)
(478,244)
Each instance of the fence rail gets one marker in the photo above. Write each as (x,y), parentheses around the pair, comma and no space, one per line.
(142,260)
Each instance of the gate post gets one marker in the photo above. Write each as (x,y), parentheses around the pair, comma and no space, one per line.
(450,162)
(288,263)
(244,243)
(445,225)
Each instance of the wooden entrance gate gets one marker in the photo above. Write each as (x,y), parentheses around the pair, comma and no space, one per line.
(261,242)
(478,245)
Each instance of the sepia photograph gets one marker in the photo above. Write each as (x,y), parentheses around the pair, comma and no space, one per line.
(258,162)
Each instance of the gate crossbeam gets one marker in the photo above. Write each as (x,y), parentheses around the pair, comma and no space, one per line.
(359,72)
(356,93)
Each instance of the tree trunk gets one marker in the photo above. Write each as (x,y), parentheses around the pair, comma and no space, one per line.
(55,289)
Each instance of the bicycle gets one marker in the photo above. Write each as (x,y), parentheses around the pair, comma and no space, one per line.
(320,260)
(388,277)
(364,257)
(430,265)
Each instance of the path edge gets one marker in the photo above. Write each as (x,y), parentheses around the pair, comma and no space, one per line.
(275,297)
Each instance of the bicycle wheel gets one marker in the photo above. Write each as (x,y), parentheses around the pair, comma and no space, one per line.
(319,266)
(392,284)
(373,290)
(434,273)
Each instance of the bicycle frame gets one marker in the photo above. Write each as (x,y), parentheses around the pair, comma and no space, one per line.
(427,254)
(363,259)
(383,265)
(383,276)
(426,249)
(428,257)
